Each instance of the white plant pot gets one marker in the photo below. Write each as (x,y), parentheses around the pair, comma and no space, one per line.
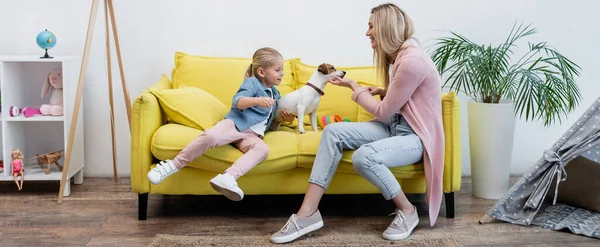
(491,135)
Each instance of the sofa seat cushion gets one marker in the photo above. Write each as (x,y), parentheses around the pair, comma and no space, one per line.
(171,138)
(308,144)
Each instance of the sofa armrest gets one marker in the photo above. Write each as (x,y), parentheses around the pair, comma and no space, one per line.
(147,117)
(453,154)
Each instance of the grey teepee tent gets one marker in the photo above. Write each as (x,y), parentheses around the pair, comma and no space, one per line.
(524,199)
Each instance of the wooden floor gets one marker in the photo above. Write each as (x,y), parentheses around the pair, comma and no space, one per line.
(104,213)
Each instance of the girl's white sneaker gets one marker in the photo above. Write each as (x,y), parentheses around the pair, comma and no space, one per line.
(226,185)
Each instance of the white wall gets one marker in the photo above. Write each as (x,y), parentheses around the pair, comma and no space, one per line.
(151,31)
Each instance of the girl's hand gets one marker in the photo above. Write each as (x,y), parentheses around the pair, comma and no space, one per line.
(265,102)
(286,116)
(338,81)
(376,91)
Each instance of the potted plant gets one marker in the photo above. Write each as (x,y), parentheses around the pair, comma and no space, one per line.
(538,85)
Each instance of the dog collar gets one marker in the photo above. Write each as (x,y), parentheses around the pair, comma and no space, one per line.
(316,88)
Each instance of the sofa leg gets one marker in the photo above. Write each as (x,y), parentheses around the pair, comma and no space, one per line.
(449,199)
(142,205)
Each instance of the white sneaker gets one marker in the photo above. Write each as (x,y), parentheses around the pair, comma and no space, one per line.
(226,185)
(161,171)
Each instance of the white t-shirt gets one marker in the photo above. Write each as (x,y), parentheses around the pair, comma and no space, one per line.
(260,128)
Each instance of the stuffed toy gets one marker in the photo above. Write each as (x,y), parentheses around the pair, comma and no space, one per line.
(325,120)
(54,85)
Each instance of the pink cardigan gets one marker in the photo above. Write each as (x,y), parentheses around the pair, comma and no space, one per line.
(415,92)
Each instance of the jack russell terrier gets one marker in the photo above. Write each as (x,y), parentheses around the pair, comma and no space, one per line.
(305,100)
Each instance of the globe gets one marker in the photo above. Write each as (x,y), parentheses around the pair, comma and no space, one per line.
(46,40)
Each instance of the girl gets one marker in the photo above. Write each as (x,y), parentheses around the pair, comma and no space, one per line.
(408,129)
(17,167)
(251,115)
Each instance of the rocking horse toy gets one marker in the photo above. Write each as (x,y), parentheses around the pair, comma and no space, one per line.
(49,159)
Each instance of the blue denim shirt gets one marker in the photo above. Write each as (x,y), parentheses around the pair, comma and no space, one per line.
(243,119)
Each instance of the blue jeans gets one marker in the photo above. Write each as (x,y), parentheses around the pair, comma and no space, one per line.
(380,145)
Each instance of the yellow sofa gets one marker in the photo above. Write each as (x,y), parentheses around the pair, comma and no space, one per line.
(172,112)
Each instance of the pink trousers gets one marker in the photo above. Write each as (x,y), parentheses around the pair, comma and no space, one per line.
(224,132)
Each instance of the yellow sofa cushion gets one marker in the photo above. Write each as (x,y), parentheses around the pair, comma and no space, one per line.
(220,76)
(337,100)
(190,106)
(161,84)
(170,139)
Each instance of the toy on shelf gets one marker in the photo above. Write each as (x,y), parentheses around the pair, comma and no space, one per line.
(46,40)
(54,85)
(49,159)
(17,166)
(27,111)
(335,118)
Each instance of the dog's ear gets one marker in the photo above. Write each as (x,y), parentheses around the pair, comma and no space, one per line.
(323,69)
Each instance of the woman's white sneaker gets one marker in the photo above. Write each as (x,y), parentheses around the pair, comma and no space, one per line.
(161,171)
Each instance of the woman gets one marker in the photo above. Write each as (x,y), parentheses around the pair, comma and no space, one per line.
(407,129)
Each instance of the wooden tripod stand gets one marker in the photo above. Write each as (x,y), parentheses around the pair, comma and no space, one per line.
(108,7)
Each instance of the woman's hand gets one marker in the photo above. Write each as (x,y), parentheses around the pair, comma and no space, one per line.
(376,91)
(286,116)
(338,81)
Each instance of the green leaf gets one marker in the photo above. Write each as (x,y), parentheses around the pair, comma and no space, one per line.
(542,82)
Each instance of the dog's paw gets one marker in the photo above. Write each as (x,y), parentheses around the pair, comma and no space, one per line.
(302,132)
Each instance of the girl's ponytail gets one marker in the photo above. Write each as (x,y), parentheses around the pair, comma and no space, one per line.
(248,72)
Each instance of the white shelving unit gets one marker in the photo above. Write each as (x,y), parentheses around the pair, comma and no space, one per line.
(21,82)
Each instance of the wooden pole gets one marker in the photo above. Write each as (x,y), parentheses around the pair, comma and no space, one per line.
(486,219)
(118,48)
(80,84)
(110,95)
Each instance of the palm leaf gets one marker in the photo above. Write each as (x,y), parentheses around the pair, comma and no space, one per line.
(541,83)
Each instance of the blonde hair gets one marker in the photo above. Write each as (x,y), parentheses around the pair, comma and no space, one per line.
(263,58)
(19,154)
(392,27)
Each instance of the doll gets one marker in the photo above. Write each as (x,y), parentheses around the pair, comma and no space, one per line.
(17,166)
